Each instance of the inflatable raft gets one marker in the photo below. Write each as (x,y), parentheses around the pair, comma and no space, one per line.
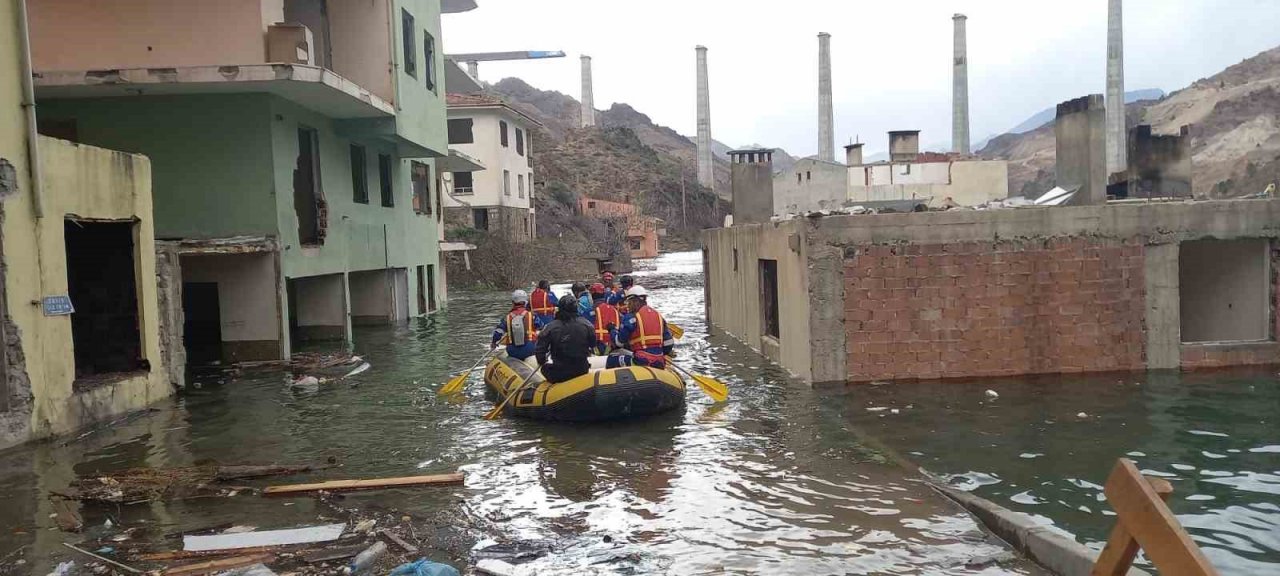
(601,394)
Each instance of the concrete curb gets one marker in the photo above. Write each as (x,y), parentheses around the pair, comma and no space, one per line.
(1059,554)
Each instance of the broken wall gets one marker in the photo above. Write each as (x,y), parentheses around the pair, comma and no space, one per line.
(1159,164)
(1080,130)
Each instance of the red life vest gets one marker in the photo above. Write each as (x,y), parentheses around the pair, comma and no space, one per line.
(519,315)
(542,302)
(649,328)
(606,314)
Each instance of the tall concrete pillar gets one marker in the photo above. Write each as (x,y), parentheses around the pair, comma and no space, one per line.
(588,104)
(706,172)
(960,89)
(826,131)
(473,69)
(1117,142)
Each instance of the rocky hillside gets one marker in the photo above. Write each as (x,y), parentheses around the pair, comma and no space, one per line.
(1234,116)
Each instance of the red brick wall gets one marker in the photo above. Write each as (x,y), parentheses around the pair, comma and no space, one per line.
(925,311)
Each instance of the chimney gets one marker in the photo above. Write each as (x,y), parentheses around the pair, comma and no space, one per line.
(826,133)
(960,89)
(904,145)
(853,155)
(706,172)
(1117,143)
(751,179)
(588,105)
(1080,130)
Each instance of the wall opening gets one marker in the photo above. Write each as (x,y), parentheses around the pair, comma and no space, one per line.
(317,308)
(306,186)
(1224,288)
(431,287)
(102,284)
(481,218)
(769,325)
(314,14)
(231,306)
(202,322)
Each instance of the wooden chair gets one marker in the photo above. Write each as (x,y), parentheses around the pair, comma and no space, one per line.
(1144,521)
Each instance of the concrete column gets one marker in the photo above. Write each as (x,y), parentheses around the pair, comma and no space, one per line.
(1164,315)
(826,132)
(1117,143)
(473,68)
(706,171)
(960,89)
(588,104)
(1080,132)
(853,155)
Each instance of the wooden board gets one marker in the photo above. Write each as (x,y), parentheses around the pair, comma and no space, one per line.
(1117,557)
(345,485)
(1145,516)
(218,565)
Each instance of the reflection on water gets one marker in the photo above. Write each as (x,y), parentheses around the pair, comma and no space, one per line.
(1214,435)
(763,483)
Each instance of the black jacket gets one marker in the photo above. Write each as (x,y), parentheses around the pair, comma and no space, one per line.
(569,343)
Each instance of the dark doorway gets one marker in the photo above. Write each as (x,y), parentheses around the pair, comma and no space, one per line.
(202,325)
(431,287)
(481,217)
(103,288)
(769,298)
(306,186)
(422,290)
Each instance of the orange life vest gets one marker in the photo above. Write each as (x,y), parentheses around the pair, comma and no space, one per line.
(649,329)
(605,315)
(542,302)
(522,316)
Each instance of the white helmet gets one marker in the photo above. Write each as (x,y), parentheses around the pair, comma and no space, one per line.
(637,291)
(519,296)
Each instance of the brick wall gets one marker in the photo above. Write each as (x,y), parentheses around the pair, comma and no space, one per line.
(926,311)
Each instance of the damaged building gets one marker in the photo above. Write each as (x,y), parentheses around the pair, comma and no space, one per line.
(295,174)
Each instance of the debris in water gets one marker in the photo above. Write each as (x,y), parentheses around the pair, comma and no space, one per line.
(992,394)
(343,485)
(424,567)
(265,538)
(893,411)
(364,560)
(358,369)
(1082,415)
(148,484)
(64,568)
(496,568)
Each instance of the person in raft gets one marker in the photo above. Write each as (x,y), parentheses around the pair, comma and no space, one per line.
(618,295)
(518,330)
(643,335)
(568,340)
(606,315)
(543,302)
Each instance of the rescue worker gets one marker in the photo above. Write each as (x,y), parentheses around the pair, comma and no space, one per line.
(568,340)
(643,334)
(605,317)
(518,330)
(607,280)
(620,294)
(543,303)
(585,309)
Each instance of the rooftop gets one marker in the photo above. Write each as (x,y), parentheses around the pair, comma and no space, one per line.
(483,101)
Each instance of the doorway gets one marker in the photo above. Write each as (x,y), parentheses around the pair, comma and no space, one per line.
(202,322)
(431,288)
(306,187)
(103,288)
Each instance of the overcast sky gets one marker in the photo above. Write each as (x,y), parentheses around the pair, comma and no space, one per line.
(891,59)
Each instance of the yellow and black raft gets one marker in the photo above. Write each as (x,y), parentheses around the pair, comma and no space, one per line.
(601,394)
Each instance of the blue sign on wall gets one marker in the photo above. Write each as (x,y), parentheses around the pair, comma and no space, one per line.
(57,305)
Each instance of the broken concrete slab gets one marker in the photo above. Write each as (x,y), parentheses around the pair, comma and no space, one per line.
(264,538)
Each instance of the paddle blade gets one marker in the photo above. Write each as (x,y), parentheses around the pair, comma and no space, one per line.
(495,413)
(676,331)
(712,387)
(454,384)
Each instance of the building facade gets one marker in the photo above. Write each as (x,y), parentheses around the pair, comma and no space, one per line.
(293,147)
(499,137)
(642,232)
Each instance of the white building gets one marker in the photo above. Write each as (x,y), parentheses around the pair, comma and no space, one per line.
(500,197)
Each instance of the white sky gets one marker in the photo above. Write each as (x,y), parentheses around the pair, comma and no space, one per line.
(891,59)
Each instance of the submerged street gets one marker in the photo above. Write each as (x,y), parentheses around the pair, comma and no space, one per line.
(780,479)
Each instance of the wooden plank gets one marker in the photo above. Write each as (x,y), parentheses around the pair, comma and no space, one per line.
(67,518)
(1117,557)
(345,485)
(1146,517)
(398,541)
(218,565)
(317,556)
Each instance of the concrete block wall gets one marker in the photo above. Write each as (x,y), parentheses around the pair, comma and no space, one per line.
(1002,308)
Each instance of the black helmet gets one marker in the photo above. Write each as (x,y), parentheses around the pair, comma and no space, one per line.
(543,284)
(578,288)
(568,305)
(627,281)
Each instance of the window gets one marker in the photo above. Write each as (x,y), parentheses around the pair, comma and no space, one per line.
(439,198)
(520,184)
(420,176)
(460,131)
(591,203)
(480,216)
(102,286)
(502,132)
(506,182)
(306,188)
(798,178)
(769,298)
(519,142)
(635,242)
(531,185)
(735,259)
(359,176)
(429,59)
(1223,290)
(808,175)
(463,184)
(384,180)
(407,31)
(528,144)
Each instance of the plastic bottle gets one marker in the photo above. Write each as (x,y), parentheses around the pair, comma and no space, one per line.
(365,559)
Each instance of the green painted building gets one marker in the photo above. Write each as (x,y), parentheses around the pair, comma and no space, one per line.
(300,193)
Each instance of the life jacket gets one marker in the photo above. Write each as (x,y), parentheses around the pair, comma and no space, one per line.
(649,329)
(520,327)
(606,314)
(542,303)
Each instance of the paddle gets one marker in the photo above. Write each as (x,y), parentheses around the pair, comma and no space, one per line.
(676,331)
(455,383)
(496,412)
(710,386)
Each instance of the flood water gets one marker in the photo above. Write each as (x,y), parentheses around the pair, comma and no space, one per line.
(781,479)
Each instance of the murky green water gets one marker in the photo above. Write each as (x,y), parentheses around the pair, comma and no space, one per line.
(766,483)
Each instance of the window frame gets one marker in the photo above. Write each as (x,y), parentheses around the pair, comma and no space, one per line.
(506,182)
(502,134)
(429,60)
(409,42)
(386,180)
(470,127)
(421,183)
(520,185)
(360,180)
(519,142)
(468,190)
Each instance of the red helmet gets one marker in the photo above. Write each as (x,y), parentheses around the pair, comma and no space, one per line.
(608,276)
(597,288)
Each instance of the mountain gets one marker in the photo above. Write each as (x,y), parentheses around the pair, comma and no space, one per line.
(1045,116)
(1234,119)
